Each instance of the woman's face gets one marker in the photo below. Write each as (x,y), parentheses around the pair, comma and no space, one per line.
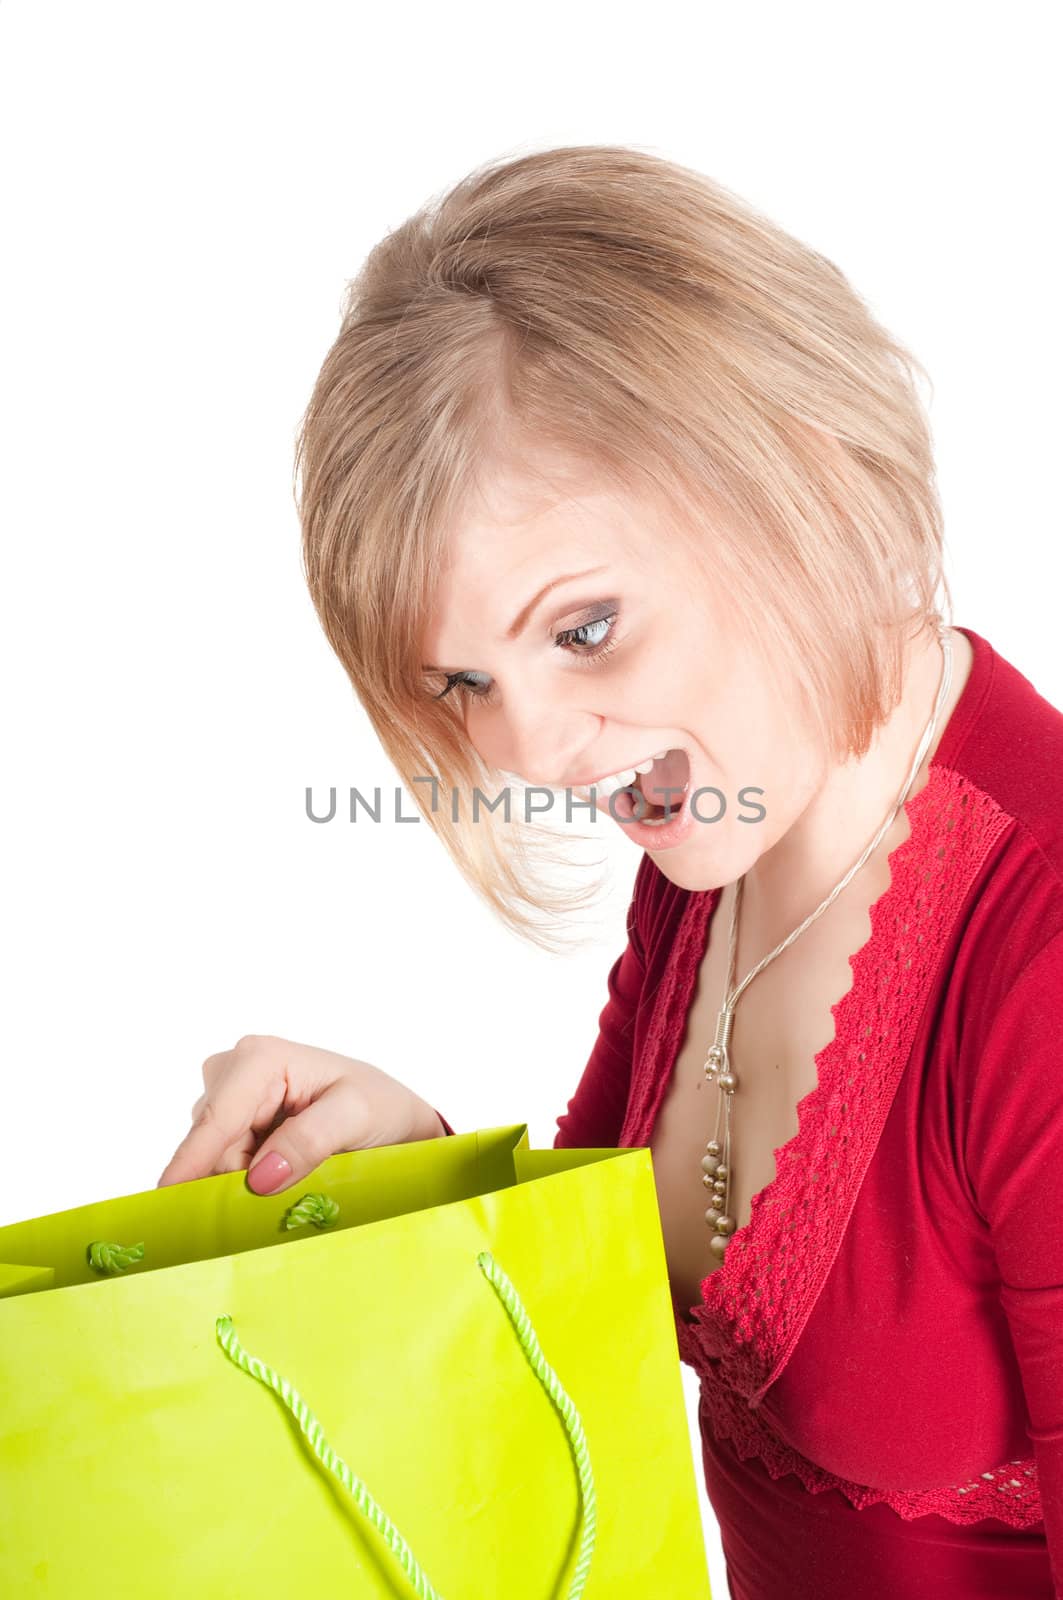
(582,640)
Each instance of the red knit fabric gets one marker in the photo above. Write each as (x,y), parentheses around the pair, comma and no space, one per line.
(880,1353)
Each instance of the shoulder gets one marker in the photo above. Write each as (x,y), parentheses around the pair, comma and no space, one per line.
(1007,742)
(992,837)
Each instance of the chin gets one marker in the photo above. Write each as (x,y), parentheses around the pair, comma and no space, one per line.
(686,872)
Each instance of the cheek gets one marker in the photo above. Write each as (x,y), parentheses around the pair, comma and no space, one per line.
(487,736)
(658,680)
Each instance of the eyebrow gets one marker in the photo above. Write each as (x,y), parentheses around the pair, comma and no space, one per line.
(525,614)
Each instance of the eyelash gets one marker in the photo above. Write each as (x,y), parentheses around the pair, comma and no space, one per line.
(587,656)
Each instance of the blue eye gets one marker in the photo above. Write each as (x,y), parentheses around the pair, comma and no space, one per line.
(579,641)
(579,635)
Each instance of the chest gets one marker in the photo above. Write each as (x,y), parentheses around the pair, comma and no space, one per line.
(782,1021)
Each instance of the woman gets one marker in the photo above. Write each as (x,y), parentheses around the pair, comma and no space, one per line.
(611,486)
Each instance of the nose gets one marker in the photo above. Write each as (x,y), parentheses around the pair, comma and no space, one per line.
(542,742)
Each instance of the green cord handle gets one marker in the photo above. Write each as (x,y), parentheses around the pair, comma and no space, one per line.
(322,1211)
(364,1500)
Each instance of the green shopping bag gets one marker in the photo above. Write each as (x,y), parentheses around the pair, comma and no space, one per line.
(446,1369)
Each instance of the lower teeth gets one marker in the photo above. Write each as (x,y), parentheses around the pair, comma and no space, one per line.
(670,816)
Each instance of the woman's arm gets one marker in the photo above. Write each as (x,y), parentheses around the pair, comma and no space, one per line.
(595,1113)
(1014,1155)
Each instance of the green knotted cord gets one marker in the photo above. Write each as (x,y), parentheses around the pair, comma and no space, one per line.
(364,1500)
(108,1258)
(315,1208)
(111,1258)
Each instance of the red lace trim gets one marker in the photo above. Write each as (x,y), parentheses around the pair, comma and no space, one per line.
(756,1303)
(1010,1492)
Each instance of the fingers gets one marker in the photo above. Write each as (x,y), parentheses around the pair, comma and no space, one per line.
(249,1094)
(337,1120)
(284,1109)
(235,1159)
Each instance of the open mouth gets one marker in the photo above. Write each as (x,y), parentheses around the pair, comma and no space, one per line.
(660,792)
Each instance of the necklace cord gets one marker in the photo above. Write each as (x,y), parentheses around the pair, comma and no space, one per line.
(717,1173)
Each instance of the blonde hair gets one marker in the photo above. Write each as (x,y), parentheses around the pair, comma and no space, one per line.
(638,317)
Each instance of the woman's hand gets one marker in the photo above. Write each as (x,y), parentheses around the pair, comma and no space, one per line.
(287,1107)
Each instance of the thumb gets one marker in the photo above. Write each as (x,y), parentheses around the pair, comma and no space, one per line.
(334,1121)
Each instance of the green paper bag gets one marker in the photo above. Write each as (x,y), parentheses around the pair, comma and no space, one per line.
(446,1369)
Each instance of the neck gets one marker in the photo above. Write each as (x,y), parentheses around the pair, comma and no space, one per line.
(853,799)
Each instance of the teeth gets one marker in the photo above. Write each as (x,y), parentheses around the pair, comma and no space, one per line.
(622,780)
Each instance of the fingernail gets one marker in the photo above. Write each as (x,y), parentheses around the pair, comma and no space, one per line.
(269,1173)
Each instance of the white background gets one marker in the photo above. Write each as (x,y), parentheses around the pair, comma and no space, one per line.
(185,191)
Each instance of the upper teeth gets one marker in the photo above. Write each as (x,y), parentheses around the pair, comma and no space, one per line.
(621,780)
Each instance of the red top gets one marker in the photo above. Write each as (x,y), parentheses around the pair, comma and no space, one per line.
(881,1350)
